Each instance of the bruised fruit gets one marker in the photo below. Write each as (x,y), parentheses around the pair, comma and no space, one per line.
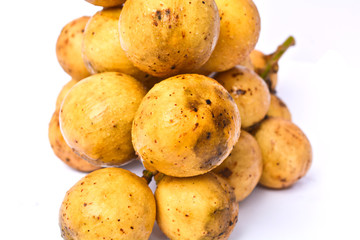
(186,125)
(201,207)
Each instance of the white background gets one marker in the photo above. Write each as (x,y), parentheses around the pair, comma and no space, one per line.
(318,79)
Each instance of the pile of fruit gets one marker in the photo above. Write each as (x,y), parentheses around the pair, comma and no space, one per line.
(178,86)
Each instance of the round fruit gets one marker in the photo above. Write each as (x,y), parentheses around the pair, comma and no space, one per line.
(164,38)
(249,91)
(201,207)
(110,203)
(186,125)
(286,152)
(101,48)
(239,33)
(68,48)
(96,117)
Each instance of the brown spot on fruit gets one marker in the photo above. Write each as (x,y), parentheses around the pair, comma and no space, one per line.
(240,92)
(158,14)
(226,172)
(208,135)
(234,75)
(281,103)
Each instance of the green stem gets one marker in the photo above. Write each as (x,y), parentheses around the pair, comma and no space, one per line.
(148,175)
(158,177)
(275,57)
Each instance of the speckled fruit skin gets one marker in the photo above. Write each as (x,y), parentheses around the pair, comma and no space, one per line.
(249,91)
(68,48)
(286,152)
(201,207)
(165,38)
(186,125)
(278,108)
(243,168)
(96,117)
(110,203)
(101,49)
(106,3)
(239,33)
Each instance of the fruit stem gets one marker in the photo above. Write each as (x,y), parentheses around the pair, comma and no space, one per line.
(275,57)
(158,177)
(148,175)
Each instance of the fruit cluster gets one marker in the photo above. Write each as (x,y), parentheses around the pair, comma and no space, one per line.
(179,86)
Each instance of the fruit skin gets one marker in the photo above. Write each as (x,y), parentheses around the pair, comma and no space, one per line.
(239,32)
(106,3)
(96,117)
(278,108)
(249,91)
(68,48)
(110,203)
(65,89)
(63,151)
(165,38)
(247,63)
(243,168)
(200,207)
(101,49)
(57,142)
(286,152)
(186,125)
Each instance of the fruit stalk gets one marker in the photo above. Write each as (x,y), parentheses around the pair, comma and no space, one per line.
(148,175)
(275,57)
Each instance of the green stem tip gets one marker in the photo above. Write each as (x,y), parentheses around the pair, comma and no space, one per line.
(275,57)
(158,177)
(148,175)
